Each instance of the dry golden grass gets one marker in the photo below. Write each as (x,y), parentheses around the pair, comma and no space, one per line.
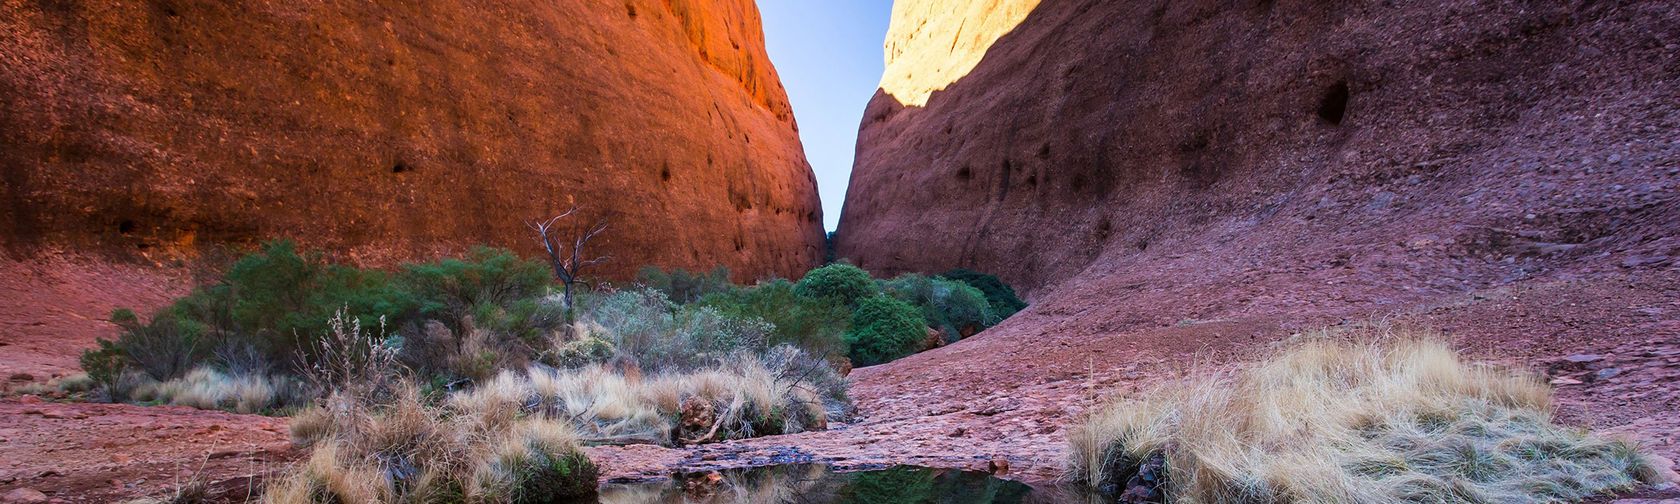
(207,388)
(1402,420)
(609,407)
(404,449)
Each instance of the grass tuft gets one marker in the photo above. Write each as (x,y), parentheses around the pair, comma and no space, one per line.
(1405,420)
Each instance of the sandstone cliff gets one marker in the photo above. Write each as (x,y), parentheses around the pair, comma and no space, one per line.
(1476,141)
(163,129)
(1188,182)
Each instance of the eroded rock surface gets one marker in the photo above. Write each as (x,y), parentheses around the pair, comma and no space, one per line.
(385,131)
(1038,139)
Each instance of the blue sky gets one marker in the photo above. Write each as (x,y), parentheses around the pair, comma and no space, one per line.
(828,53)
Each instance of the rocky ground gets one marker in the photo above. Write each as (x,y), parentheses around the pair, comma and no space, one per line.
(1001,401)
(79,452)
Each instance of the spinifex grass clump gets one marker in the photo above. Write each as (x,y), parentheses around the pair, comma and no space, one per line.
(404,448)
(1329,421)
(781,391)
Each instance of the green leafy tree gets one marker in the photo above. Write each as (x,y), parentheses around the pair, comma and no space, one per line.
(884,329)
(839,281)
(955,308)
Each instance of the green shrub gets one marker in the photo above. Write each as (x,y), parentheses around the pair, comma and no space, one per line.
(683,286)
(283,299)
(105,365)
(999,295)
(955,308)
(452,288)
(165,348)
(844,282)
(884,329)
(815,325)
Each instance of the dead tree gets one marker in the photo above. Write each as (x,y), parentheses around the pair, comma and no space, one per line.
(565,250)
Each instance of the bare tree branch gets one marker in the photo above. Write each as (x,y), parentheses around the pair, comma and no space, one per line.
(568,265)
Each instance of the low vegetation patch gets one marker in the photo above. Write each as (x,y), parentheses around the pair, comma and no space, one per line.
(1332,421)
(404,448)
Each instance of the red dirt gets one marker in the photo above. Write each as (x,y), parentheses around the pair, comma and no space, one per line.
(108,452)
(56,304)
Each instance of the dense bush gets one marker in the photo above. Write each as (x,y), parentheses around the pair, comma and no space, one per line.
(884,329)
(840,281)
(272,305)
(451,289)
(999,295)
(956,309)
(816,325)
(280,298)
(684,286)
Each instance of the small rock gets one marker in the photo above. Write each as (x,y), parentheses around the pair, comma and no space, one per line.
(1607,373)
(1565,381)
(24,496)
(998,466)
(1584,358)
(958,432)
(29,399)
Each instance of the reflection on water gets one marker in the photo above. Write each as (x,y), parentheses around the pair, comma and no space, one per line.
(816,484)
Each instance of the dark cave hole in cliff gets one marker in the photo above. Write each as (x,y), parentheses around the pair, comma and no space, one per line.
(630,9)
(665,174)
(125,227)
(965,174)
(1334,105)
(401,167)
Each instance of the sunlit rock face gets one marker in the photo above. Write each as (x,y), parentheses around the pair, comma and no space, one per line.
(383,131)
(933,43)
(1038,140)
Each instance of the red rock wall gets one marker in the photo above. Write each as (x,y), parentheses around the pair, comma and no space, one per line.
(1042,139)
(164,129)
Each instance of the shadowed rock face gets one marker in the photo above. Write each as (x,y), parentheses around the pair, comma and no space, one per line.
(385,131)
(1098,135)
